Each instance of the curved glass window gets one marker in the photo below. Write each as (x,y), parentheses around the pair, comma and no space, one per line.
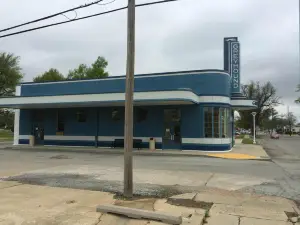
(217,122)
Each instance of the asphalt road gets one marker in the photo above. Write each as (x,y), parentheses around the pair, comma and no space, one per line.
(284,170)
(285,153)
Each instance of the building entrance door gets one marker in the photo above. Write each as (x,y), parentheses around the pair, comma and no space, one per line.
(38,133)
(172,129)
(38,126)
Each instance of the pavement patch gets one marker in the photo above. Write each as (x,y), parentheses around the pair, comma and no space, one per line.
(245,211)
(223,219)
(255,221)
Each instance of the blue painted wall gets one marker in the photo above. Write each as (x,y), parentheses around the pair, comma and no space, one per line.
(191,125)
(212,83)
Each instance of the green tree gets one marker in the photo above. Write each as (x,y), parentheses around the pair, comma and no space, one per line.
(78,73)
(266,99)
(10,73)
(298,90)
(291,120)
(95,71)
(6,119)
(270,119)
(50,75)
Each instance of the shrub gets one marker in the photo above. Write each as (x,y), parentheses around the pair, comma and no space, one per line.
(247,141)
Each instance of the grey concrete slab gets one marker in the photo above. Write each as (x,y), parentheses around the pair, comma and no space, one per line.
(223,219)
(254,221)
(246,211)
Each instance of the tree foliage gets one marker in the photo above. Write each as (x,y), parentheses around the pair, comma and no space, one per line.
(266,99)
(6,119)
(50,75)
(10,73)
(291,119)
(95,71)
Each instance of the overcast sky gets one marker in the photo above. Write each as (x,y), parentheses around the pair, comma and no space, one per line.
(183,35)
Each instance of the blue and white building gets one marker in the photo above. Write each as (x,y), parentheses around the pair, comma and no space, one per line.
(186,110)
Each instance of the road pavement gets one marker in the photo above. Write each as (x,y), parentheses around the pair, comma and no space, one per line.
(285,153)
(279,177)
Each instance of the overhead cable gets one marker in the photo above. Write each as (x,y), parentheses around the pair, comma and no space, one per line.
(85,17)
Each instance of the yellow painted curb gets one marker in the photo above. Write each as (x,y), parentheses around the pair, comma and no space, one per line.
(232,156)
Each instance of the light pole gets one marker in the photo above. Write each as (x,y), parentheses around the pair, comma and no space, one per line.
(254,114)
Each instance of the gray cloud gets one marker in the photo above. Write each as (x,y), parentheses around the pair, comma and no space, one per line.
(182,35)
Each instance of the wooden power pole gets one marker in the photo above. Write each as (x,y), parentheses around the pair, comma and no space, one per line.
(128,129)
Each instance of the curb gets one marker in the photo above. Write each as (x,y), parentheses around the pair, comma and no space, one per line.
(119,152)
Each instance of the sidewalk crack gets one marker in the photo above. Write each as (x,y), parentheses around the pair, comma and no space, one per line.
(211,176)
(99,219)
(11,186)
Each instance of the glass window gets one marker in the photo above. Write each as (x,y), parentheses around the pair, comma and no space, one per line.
(217,122)
(141,114)
(116,115)
(208,122)
(216,118)
(60,126)
(81,116)
(230,121)
(38,115)
(224,115)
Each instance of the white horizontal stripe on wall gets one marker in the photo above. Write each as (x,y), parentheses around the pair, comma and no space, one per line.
(243,103)
(102,98)
(206,140)
(136,77)
(112,138)
(24,136)
(162,96)
(88,138)
(69,138)
(214,99)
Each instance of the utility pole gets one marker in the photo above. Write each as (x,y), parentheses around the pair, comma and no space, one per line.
(128,127)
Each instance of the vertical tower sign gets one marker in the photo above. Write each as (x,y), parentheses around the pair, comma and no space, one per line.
(232,62)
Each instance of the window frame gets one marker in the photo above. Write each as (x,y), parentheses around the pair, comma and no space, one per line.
(222,112)
(59,121)
(81,112)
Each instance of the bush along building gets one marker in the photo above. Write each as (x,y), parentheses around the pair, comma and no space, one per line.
(184,110)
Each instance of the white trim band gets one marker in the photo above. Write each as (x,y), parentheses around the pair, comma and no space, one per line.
(206,140)
(243,103)
(89,138)
(184,97)
(179,97)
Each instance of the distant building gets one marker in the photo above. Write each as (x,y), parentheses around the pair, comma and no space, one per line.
(187,110)
(296,128)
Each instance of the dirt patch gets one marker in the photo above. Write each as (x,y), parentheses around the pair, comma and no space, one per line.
(59,157)
(291,214)
(70,201)
(191,203)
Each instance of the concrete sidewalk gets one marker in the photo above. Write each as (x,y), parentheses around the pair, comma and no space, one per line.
(239,151)
(22,204)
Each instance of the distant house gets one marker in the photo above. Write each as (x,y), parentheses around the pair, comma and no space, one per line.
(296,128)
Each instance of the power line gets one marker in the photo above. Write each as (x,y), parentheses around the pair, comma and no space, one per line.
(53,15)
(85,17)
